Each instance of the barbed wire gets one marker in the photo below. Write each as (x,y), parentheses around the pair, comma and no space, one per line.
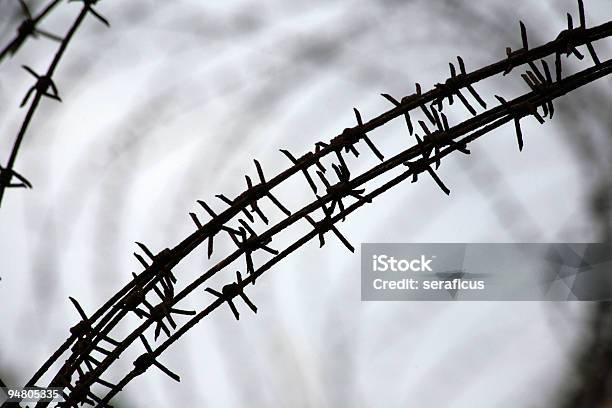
(29,28)
(425,156)
(44,85)
(235,289)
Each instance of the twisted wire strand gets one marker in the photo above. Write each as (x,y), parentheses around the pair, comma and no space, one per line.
(44,86)
(441,141)
(496,118)
(208,229)
(572,83)
(28,28)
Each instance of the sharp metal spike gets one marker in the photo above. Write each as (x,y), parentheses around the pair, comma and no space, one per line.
(538,117)
(340,159)
(145,250)
(428,114)
(465,103)
(27,97)
(313,186)
(358,117)
(577,53)
(183,312)
(260,172)
(437,119)
(352,149)
(288,154)
(390,99)
(233,309)
(278,204)
(248,302)
(49,35)
(537,72)
(141,260)
(210,246)
(246,227)
(337,171)
(409,123)
(461,65)
(25,10)
(105,383)
(196,221)
(31,71)
(581,13)
(224,199)
(207,209)
(214,292)
(424,127)
(255,208)
(444,122)
(376,152)
(249,264)
(551,108)
(476,96)
(519,133)
(548,79)
(98,16)
(78,307)
(524,36)
(593,54)
(342,239)
(167,371)
(438,181)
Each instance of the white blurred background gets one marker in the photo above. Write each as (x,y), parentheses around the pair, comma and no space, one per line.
(173,102)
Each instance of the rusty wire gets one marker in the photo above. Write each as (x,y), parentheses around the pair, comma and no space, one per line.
(157,278)
(237,288)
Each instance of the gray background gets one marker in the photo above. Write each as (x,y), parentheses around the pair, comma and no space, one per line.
(171,104)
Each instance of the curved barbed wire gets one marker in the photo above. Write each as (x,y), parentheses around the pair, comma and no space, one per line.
(235,289)
(29,28)
(157,277)
(44,85)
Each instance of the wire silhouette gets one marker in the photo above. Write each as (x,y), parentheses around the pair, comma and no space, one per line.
(44,85)
(29,28)
(418,158)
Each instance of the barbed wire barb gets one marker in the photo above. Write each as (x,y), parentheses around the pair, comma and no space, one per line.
(250,244)
(419,158)
(325,225)
(146,360)
(41,88)
(6,176)
(230,291)
(88,4)
(83,327)
(43,84)
(396,103)
(299,163)
(365,137)
(469,86)
(29,28)
(159,263)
